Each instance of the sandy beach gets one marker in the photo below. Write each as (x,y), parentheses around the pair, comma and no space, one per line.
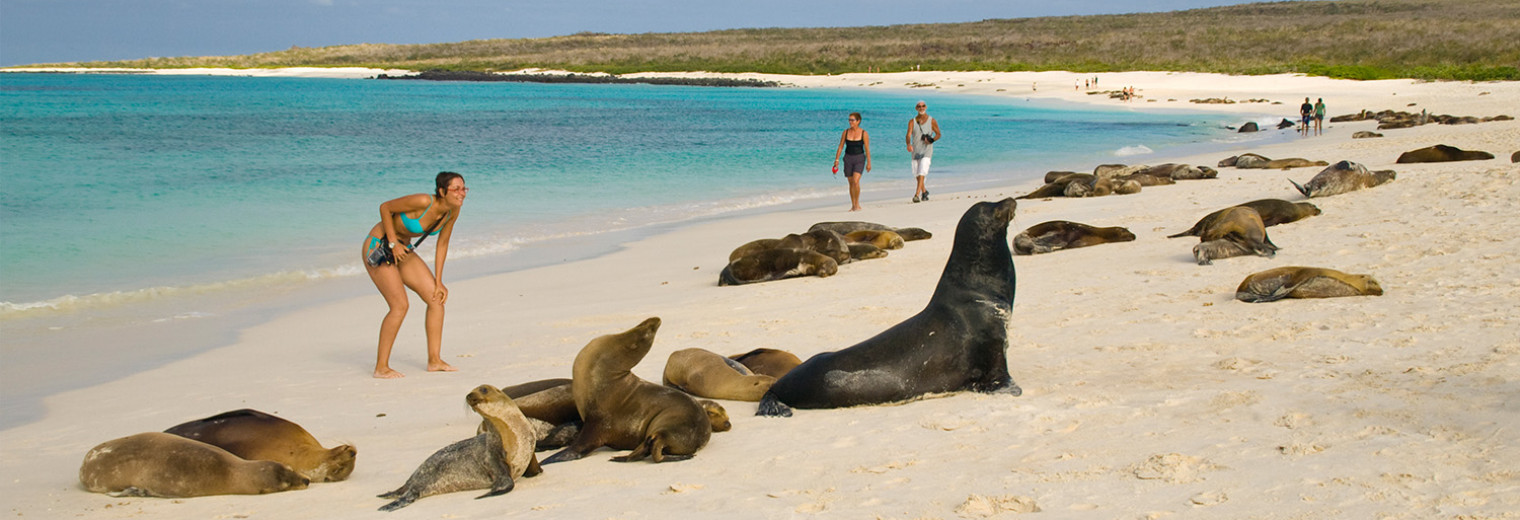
(1149,392)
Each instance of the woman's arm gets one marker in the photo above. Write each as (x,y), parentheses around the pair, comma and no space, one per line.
(841,145)
(867,137)
(388,211)
(441,253)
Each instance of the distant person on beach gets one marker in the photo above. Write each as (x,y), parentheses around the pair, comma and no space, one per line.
(855,142)
(921,145)
(401,220)
(1305,112)
(1319,116)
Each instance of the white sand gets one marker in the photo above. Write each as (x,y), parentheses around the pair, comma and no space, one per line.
(1148,391)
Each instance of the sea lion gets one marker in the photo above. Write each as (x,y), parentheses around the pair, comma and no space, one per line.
(556,421)
(958,342)
(1365,135)
(1290,163)
(1081,189)
(777,264)
(520,390)
(256,435)
(864,251)
(1056,235)
(1442,153)
(1146,180)
(624,412)
(1126,187)
(1515,157)
(703,373)
(158,464)
(1304,282)
(1180,171)
(768,361)
(1051,176)
(1246,161)
(1109,171)
(752,247)
(880,238)
(821,241)
(1271,211)
(1342,177)
(1236,231)
(1058,187)
(907,233)
(491,460)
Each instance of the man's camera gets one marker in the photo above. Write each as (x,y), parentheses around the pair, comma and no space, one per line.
(928,139)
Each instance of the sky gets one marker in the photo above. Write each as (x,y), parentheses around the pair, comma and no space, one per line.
(53,31)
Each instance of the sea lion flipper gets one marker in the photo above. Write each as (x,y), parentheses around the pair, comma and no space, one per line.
(533,468)
(402,501)
(565,455)
(771,406)
(501,486)
(1300,188)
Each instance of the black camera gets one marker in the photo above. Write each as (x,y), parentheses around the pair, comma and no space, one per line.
(928,139)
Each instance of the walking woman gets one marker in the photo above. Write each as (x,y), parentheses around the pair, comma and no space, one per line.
(401,220)
(855,142)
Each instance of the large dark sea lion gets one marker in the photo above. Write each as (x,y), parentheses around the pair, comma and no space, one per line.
(1304,282)
(1061,234)
(752,247)
(777,264)
(958,342)
(822,241)
(157,464)
(844,228)
(256,435)
(703,373)
(1442,153)
(1271,211)
(491,460)
(1342,177)
(1236,231)
(624,412)
(768,361)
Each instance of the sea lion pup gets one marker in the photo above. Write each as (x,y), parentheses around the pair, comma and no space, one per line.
(777,264)
(958,342)
(1342,177)
(752,247)
(157,464)
(821,241)
(624,412)
(864,251)
(1304,282)
(1442,153)
(1271,211)
(703,373)
(491,460)
(1056,235)
(907,233)
(256,435)
(880,238)
(768,361)
(1236,231)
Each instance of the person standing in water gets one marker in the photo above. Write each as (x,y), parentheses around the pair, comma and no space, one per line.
(855,142)
(921,145)
(402,219)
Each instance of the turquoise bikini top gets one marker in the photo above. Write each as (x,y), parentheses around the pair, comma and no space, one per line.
(414,225)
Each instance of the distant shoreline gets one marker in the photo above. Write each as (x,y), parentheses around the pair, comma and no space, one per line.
(465,75)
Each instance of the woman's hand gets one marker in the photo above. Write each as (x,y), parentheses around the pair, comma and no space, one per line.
(400,252)
(440,293)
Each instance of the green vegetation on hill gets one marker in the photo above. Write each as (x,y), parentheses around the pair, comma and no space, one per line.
(1357,39)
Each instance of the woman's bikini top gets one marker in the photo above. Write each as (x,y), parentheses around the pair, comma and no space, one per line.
(414,225)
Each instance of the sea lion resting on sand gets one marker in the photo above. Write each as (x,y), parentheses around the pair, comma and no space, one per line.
(1056,235)
(1271,211)
(703,373)
(958,342)
(549,406)
(777,264)
(1304,282)
(1342,177)
(768,361)
(864,251)
(880,238)
(491,460)
(1442,153)
(255,435)
(1236,231)
(844,228)
(624,412)
(158,464)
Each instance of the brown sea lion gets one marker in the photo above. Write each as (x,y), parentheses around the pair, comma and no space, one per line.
(907,233)
(493,459)
(1271,211)
(518,391)
(752,247)
(1180,171)
(1053,175)
(864,251)
(1057,188)
(1127,187)
(256,435)
(1109,171)
(1342,177)
(822,241)
(1056,235)
(703,373)
(880,238)
(1146,180)
(1236,231)
(1442,153)
(1295,162)
(777,264)
(1514,157)
(553,415)
(1304,282)
(158,464)
(624,412)
(1247,161)
(768,361)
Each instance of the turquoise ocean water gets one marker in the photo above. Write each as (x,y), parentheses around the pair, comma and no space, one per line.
(144,199)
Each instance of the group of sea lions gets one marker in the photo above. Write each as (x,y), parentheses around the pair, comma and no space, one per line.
(818,252)
(1116,179)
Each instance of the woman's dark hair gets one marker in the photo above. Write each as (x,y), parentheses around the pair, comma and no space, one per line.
(443,180)
(855,115)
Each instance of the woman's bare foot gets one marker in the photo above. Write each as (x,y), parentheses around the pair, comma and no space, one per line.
(387,373)
(440,366)
(856,208)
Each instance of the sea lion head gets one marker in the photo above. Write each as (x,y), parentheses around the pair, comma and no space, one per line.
(1307,209)
(618,352)
(337,466)
(716,415)
(986,221)
(278,477)
(484,397)
(1370,286)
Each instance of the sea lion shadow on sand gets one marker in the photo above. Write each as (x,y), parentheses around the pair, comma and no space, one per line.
(958,342)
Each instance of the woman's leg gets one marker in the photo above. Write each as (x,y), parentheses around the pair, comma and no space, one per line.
(387,279)
(854,192)
(415,273)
